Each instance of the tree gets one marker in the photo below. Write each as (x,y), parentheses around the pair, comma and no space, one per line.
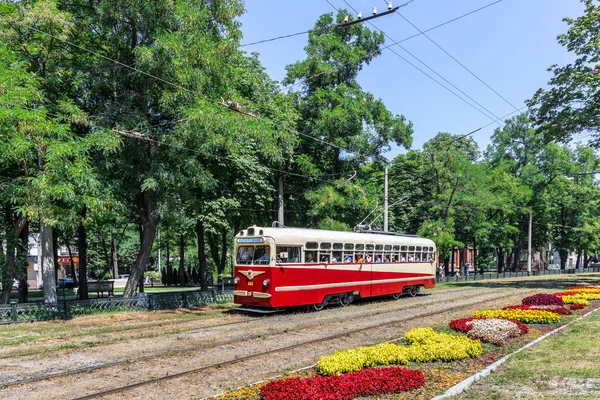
(570,105)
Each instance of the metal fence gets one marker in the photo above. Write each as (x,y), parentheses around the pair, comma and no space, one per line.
(38,311)
(509,274)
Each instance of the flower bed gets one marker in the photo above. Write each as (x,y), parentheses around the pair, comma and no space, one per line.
(425,345)
(556,309)
(543,299)
(367,382)
(576,306)
(575,299)
(462,325)
(493,330)
(525,316)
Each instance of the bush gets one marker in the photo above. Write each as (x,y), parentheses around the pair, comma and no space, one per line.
(425,345)
(368,382)
(525,316)
(543,299)
(362,357)
(556,309)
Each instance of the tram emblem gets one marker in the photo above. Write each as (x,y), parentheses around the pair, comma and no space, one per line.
(251,274)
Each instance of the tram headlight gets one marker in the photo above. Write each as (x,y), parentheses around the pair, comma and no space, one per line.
(236,280)
(266,283)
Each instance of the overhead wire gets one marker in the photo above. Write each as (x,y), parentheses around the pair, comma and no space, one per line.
(454,58)
(400,41)
(489,114)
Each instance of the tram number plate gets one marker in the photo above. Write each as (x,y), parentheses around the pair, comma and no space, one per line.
(250,283)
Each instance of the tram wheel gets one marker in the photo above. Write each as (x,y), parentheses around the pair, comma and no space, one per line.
(317,306)
(396,296)
(346,299)
(414,291)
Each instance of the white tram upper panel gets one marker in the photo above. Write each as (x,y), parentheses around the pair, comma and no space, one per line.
(303,235)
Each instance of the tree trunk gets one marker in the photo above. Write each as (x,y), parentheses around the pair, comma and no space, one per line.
(223,252)
(563,258)
(114,257)
(82,250)
(72,272)
(148,221)
(201,254)
(578,259)
(7,279)
(169,267)
(48,266)
(446,262)
(23,263)
(517,259)
(182,260)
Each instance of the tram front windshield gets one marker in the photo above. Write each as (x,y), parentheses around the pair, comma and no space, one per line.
(257,255)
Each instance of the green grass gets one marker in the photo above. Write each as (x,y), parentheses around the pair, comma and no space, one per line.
(556,368)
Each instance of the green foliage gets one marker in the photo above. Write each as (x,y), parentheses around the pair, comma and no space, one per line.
(570,105)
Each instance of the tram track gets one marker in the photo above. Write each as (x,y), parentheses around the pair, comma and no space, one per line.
(359,314)
(288,348)
(266,335)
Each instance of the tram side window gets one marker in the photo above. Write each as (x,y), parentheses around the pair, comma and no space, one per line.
(262,255)
(403,257)
(348,257)
(288,254)
(337,257)
(245,254)
(310,256)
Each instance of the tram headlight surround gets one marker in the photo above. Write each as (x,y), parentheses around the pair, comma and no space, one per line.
(266,283)
(236,280)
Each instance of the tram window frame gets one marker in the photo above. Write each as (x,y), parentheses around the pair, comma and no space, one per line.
(359,247)
(378,247)
(411,249)
(403,248)
(403,257)
(369,247)
(315,257)
(287,249)
(338,246)
(348,253)
(311,246)
(387,247)
(246,250)
(337,255)
(431,249)
(418,249)
(349,246)
(410,255)
(396,247)
(395,257)
(325,246)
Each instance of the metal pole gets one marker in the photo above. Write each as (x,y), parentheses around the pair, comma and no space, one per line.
(280,201)
(159,250)
(385,202)
(529,246)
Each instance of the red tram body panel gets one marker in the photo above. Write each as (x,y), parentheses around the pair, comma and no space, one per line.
(288,267)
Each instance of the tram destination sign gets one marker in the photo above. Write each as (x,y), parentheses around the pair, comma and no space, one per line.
(250,240)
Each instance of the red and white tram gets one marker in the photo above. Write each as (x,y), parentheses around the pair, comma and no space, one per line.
(287,267)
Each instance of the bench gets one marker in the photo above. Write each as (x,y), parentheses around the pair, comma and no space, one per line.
(101,286)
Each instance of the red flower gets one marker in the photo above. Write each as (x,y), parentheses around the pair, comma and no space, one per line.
(543,299)
(554,309)
(576,306)
(366,382)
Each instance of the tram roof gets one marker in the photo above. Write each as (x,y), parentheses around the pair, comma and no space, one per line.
(301,235)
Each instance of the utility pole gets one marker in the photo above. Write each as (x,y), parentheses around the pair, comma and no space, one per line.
(280,201)
(385,202)
(529,246)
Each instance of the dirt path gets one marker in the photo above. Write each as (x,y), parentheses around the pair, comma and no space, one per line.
(251,338)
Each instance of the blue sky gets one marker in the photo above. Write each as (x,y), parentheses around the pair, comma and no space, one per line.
(508,45)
